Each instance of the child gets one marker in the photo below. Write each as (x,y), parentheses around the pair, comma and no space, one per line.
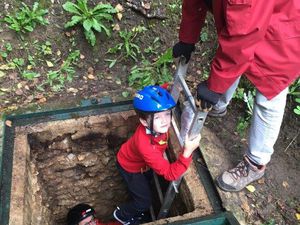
(84,214)
(145,151)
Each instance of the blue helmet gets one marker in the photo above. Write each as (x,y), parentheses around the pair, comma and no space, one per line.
(153,99)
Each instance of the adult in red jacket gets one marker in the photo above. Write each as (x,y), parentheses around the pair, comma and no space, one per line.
(261,40)
(84,214)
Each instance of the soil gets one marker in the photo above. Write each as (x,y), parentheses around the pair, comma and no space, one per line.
(276,199)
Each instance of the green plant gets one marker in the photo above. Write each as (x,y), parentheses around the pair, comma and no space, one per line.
(7,49)
(29,75)
(26,19)
(128,48)
(244,122)
(270,222)
(151,73)
(294,91)
(152,49)
(46,48)
(175,6)
(91,19)
(204,36)
(18,62)
(249,100)
(57,78)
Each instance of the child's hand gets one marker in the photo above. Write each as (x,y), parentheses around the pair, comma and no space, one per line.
(191,145)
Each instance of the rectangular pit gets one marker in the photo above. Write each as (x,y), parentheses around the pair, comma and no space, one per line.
(63,158)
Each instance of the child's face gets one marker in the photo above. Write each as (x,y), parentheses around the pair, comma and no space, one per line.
(162,121)
(88,221)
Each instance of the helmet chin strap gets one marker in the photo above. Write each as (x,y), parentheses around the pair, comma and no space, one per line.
(153,133)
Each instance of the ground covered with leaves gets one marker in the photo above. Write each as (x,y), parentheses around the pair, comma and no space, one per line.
(55,53)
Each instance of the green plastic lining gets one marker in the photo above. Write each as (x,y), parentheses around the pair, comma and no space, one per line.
(225,218)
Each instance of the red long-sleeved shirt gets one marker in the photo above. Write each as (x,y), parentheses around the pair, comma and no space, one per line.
(139,153)
(108,223)
(260,39)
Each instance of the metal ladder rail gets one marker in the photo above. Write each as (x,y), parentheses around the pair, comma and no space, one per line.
(195,128)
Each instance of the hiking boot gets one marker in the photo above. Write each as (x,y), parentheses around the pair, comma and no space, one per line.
(240,176)
(133,221)
(217,113)
(118,217)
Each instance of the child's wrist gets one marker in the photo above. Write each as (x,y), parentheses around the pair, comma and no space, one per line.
(186,153)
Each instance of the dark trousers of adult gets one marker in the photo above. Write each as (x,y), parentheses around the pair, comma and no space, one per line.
(140,191)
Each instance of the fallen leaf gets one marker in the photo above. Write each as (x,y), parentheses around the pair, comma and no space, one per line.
(285,184)
(19,92)
(8,123)
(250,188)
(116,27)
(5,67)
(82,56)
(5,89)
(29,67)
(91,76)
(2,74)
(73,90)
(49,64)
(119,8)
(119,16)
(118,81)
(39,96)
(90,70)
(298,216)
(29,99)
(42,100)
(245,207)
(261,181)
(58,52)
(68,34)
(146,5)
(19,85)
(281,204)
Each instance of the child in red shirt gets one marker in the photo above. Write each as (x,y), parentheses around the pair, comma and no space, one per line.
(144,152)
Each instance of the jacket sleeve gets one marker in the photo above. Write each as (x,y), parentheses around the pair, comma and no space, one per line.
(244,25)
(170,171)
(193,17)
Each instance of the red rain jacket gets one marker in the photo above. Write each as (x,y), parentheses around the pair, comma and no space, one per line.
(260,39)
(138,154)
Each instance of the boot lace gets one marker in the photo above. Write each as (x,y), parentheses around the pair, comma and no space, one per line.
(242,169)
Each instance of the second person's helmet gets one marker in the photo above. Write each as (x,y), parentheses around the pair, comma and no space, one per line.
(79,213)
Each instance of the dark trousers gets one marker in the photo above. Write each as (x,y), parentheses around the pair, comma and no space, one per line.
(140,191)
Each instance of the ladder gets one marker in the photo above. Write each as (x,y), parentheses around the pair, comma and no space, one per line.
(194,129)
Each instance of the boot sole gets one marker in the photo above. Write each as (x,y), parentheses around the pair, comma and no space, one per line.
(228,188)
